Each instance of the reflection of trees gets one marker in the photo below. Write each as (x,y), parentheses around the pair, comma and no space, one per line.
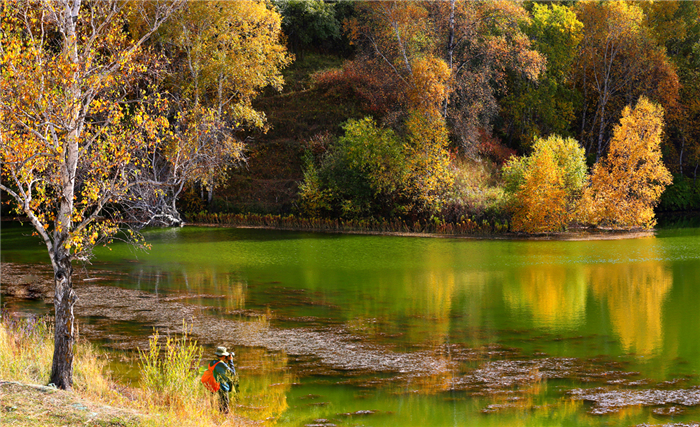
(520,406)
(429,305)
(431,297)
(635,293)
(405,289)
(202,282)
(421,306)
(209,281)
(555,295)
(265,381)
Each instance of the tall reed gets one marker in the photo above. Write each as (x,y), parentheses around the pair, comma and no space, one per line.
(463,225)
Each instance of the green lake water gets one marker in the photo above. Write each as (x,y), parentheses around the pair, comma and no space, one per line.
(427,313)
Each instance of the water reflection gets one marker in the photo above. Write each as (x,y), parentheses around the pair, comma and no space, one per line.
(265,382)
(634,293)
(635,296)
(206,285)
(429,306)
(443,298)
(554,295)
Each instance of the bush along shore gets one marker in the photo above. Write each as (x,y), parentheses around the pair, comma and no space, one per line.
(465,226)
(169,393)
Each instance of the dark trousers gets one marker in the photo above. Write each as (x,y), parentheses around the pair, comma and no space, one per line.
(223,401)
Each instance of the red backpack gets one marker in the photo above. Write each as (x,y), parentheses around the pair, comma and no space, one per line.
(208,379)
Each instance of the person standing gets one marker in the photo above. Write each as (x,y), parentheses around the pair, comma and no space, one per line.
(225,375)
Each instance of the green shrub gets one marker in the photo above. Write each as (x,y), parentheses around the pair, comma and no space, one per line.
(314,200)
(360,175)
(373,172)
(477,192)
(682,195)
(568,155)
(170,373)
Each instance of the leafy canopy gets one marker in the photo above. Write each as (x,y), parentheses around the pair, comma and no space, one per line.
(549,105)
(628,183)
(373,171)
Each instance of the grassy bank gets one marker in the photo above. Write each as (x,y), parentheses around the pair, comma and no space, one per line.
(168,395)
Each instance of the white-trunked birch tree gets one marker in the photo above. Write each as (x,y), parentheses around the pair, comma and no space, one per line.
(72,124)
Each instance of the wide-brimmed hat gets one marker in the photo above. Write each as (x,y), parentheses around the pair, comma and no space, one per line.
(221,351)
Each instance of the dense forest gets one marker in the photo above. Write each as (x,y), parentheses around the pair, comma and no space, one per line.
(419,111)
(524,116)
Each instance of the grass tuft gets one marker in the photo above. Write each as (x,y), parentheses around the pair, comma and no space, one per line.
(170,374)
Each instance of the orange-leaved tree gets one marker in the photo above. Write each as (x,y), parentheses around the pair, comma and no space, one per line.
(627,184)
(71,125)
(481,43)
(545,187)
(396,42)
(450,56)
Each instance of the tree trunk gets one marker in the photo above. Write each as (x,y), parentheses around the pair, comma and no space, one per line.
(450,51)
(585,107)
(680,158)
(210,189)
(64,337)
(64,299)
(601,130)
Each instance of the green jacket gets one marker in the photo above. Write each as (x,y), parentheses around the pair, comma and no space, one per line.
(225,375)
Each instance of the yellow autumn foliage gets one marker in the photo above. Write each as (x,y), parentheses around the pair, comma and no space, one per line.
(635,295)
(554,295)
(541,198)
(427,159)
(545,186)
(628,183)
(428,88)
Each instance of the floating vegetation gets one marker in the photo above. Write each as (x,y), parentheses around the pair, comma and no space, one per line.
(310,397)
(321,422)
(497,407)
(692,424)
(358,413)
(668,411)
(607,401)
